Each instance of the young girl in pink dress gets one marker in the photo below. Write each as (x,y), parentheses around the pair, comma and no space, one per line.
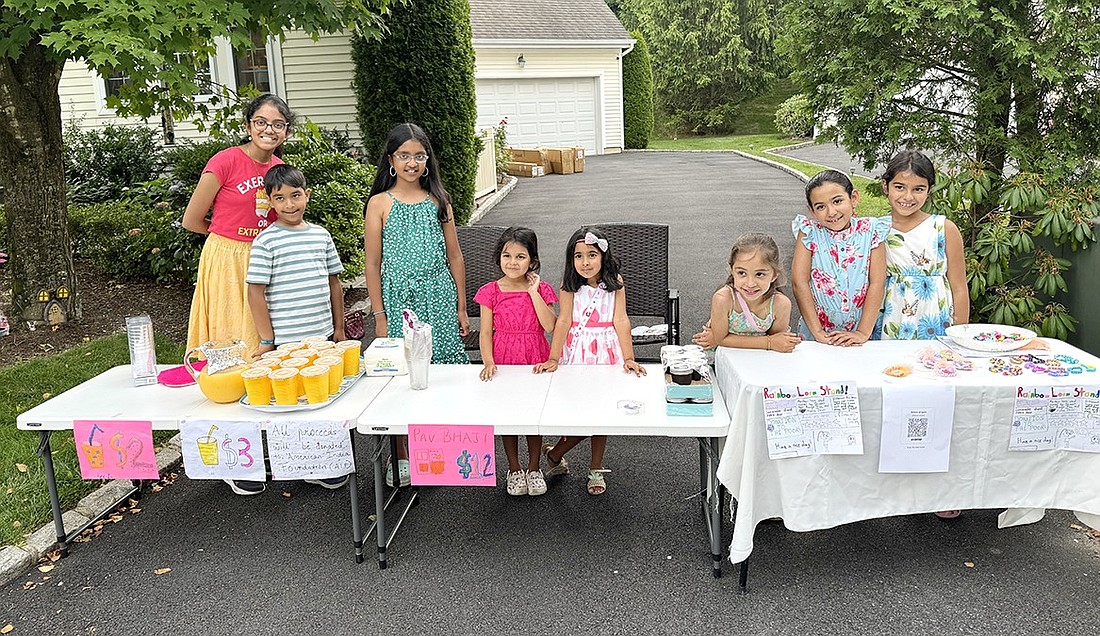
(592,328)
(516,313)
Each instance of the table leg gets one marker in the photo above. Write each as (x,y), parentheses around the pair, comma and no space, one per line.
(51,484)
(743,577)
(380,500)
(353,492)
(714,507)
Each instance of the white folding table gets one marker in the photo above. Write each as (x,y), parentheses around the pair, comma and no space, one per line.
(519,402)
(112,396)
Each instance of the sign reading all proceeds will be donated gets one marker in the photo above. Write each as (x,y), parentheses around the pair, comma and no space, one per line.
(812,420)
(446,455)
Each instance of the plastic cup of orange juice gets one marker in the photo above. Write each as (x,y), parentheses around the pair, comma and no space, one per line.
(321,345)
(312,339)
(299,364)
(335,366)
(350,350)
(315,382)
(284,384)
(275,355)
(307,354)
(267,363)
(290,346)
(257,385)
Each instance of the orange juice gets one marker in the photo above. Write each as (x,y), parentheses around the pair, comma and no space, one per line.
(290,346)
(322,347)
(315,382)
(349,350)
(275,355)
(284,384)
(257,385)
(299,364)
(267,363)
(335,366)
(313,339)
(307,354)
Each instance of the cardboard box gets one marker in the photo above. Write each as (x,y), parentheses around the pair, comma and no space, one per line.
(524,169)
(561,160)
(578,160)
(531,156)
(691,400)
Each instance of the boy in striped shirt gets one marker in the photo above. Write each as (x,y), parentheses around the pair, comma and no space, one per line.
(293,288)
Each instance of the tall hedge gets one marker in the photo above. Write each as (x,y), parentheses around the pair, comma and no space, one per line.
(638,94)
(422,71)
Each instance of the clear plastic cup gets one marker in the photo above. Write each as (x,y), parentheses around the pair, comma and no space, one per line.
(284,385)
(290,346)
(350,350)
(418,373)
(298,364)
(257,384)
(315,383)
(335,366)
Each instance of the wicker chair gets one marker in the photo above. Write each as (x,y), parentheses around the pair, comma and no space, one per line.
(478,243)
(643,250)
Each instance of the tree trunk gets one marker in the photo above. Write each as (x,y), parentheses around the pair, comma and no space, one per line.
(44,286)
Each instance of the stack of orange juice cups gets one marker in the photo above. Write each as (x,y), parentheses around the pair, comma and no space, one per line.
(313,368)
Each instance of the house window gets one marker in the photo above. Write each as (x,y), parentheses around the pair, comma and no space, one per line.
(204,77)
(112,81)
(250,65)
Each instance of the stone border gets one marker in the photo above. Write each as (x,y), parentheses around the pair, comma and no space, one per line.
(775,164)
(15,560)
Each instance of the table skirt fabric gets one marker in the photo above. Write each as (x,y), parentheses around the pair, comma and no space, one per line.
(824,491)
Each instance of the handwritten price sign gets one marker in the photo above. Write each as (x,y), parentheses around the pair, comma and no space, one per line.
(115,449)
(446,455)
(216,449)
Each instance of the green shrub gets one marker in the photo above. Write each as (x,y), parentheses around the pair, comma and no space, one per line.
(185,164)
(422,71)
(101,165)
(132,240)
(638,94)
(795,117)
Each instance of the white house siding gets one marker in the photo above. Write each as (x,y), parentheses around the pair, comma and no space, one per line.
(317,76)
(602,65)
(81,92)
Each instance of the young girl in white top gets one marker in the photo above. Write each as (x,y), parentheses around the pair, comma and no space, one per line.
(592,328)
(748,312)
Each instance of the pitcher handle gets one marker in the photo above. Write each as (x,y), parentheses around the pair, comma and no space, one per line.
(187,362)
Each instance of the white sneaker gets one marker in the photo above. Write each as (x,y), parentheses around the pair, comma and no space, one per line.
(517,483)
(536,483)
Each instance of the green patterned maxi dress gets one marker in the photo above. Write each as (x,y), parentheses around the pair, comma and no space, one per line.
(415,276)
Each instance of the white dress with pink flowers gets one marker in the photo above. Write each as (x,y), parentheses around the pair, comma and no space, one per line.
(592,338)
(840,264)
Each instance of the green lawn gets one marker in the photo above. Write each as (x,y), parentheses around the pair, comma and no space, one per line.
(25,502)
(871,204)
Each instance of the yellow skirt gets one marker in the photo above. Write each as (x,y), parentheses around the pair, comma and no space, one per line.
(219,308)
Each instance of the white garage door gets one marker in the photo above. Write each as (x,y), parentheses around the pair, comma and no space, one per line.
(541,112)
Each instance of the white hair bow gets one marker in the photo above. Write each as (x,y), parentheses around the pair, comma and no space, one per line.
(590,239)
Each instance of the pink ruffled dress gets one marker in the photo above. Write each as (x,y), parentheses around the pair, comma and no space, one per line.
(518,338)
(594,341)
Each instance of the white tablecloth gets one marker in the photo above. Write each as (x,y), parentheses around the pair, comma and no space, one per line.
(823,491)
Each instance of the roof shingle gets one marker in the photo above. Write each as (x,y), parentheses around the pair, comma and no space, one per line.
(545,20)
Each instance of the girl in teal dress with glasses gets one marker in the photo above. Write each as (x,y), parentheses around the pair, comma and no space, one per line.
(412,258)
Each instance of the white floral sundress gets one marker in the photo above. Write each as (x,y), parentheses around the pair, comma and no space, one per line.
(918,303)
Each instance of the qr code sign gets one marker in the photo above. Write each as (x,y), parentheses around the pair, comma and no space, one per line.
(917,426)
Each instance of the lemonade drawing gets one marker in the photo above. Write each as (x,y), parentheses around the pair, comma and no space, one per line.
(208,447)
(93,450)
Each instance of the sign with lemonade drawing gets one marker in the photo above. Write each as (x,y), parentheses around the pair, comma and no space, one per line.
(221,449)
(452,455)
(115,449)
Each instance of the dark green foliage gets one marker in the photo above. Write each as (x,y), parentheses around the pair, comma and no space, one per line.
(102,164)
(186,162)
(135,241)
(422,71)
(638,94)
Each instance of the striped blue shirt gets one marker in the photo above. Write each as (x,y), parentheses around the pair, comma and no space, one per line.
(295,264)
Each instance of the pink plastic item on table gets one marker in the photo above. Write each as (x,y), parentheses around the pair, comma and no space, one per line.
(179,376)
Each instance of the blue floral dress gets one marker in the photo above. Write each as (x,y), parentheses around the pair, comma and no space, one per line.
(918,303)
(840,265)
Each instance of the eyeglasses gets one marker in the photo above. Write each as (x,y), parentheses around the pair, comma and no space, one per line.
(277,126)
(405,157)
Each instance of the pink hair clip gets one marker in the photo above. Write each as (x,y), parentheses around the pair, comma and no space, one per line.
(590,239)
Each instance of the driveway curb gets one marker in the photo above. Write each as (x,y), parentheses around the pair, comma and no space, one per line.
(16,559)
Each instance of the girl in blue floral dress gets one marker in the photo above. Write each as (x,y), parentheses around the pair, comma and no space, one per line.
(926,288)
(839,270)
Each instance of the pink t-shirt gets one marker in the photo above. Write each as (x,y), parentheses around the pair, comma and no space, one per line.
(241,209)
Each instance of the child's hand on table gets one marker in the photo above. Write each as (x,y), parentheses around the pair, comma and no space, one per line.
(631,366)
(488,372)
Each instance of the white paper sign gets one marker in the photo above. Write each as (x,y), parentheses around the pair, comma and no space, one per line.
(916,428)
(812,420)
(1056,417)
(217,449)
(309,450)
